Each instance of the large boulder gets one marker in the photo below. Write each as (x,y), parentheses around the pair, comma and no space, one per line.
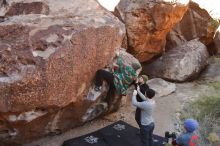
(49,52)
(179,64)
(196,23)
(162,87)
(217,40)
(147,24)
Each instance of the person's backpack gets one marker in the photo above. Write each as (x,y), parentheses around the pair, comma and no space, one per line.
(194,140)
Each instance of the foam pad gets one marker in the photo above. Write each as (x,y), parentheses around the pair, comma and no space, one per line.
(116,134)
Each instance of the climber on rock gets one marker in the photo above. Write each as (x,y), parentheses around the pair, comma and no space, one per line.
(119,78)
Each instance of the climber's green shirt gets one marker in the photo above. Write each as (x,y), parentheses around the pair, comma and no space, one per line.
(123,77)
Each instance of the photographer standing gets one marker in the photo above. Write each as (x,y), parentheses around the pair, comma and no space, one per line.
(147,122)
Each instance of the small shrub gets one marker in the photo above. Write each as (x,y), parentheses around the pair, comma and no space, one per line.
(213,137)
(214,23)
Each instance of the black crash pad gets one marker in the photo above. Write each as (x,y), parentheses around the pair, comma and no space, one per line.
(116,134)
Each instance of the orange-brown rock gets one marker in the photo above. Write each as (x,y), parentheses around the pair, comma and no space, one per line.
(147,24)
(49,53)
(196,23)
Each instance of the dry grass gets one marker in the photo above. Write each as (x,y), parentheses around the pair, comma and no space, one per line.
(207,111)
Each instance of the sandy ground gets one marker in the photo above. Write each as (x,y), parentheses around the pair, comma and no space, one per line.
(164,115)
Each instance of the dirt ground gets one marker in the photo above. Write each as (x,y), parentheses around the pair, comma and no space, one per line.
(167,108)
(164,113)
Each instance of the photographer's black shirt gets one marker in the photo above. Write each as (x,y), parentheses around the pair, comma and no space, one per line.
(143,88)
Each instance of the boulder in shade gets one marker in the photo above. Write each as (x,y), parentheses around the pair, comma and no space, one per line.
(180,64)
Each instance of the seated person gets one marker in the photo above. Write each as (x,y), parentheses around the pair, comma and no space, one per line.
(188,138)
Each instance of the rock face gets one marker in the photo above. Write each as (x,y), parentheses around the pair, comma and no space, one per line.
(49,53)
(196,23)
(147,24)
(181,63)
(217,40)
